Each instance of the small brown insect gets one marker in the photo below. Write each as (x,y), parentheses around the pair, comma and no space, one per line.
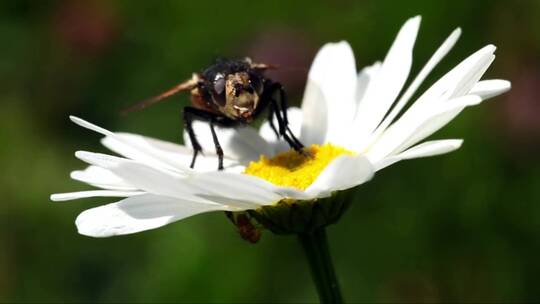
(230,93)
(245,227)
(247,230)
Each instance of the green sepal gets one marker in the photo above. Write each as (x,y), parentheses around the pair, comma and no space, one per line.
(296,217)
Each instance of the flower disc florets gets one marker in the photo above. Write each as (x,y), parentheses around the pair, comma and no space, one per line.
(298,170)
(293,169)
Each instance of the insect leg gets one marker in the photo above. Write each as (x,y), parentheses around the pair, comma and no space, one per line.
(190,114)
(282,127)
(271,120)
(219,150)
(280,110)
(284,106)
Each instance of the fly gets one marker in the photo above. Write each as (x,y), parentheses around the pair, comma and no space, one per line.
(230,93)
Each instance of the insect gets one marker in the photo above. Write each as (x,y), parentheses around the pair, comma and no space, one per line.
(230,93)
(247,230)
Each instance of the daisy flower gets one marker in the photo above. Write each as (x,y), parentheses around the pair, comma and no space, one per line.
(352,123)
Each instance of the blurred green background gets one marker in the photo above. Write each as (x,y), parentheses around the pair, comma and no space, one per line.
(459,227)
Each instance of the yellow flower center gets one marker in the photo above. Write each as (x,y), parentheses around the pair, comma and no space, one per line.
(295,169)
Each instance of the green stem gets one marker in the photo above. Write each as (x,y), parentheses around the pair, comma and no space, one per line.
(315,246)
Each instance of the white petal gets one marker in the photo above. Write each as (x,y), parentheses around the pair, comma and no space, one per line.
(339,92)
(432,62)
(244,188)
(168,154)
(449,82)
(101,178)
(385,88)
(365,77)
(411,129)
(138,213)
(490,88)
(314,105)
(225,188)
(136,150)
(85,124)
(135,147)
(441,117)
(342,173)
(158,153)
(433,110)
(468,81)
(426,149)
(243,144)
(432,148)
(140,175)
(294,115)
(59,197)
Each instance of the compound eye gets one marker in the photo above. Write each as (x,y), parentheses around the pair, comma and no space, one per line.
(256,83)
(218,93)
(219,99)
(219,84)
